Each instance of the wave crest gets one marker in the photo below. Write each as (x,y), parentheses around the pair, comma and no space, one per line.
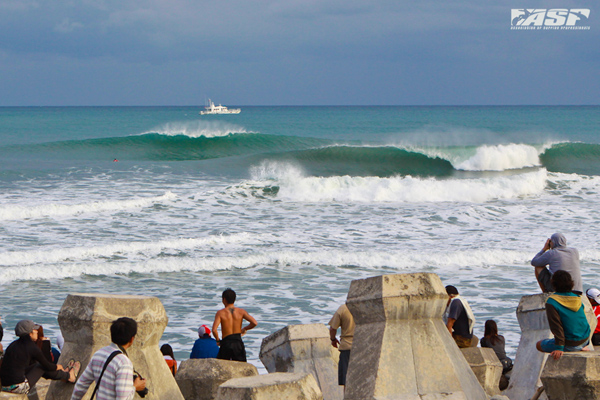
(501,157)
(293,186)
(196,129)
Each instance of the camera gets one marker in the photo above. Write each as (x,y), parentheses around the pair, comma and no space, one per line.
(142,393)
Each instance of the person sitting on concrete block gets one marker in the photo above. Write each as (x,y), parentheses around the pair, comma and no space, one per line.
(342,318)
(24,363)
(167,352)
(205,346)
(566,317)
(594,296)
(459,319)
(558,257)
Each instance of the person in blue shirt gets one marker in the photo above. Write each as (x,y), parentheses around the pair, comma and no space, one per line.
(566,317)
(205,346)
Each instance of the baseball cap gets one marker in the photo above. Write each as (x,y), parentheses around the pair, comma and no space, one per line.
(593,294)
(25,327)
(203,330)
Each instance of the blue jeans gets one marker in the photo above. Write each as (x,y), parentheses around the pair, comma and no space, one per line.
(548,346)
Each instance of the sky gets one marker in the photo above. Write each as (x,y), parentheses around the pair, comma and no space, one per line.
(292,52)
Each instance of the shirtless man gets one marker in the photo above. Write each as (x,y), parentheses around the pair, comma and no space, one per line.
(230,318)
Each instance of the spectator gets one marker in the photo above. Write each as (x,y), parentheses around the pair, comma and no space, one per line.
(594,296)
(342,318)
(566,317)
(205,346)
(24,364)
(167,351)
(558,257)
(459,319)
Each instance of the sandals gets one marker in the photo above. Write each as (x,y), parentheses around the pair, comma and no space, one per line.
(74,366)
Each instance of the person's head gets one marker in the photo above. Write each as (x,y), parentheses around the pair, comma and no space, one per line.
(203,332)
(167,350)
(558,240)
(594,296)
(452,291)
(491,329)
(123,330)
(228,296)
(562,281)
(26,328)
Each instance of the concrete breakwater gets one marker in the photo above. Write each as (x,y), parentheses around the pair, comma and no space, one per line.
(401,350)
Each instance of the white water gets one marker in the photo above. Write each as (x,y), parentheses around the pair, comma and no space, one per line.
(290,255)
(294,186)
(196,129)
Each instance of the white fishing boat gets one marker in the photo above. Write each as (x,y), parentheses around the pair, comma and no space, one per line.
(212,109)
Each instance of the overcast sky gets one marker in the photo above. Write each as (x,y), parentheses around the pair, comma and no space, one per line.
(292,52)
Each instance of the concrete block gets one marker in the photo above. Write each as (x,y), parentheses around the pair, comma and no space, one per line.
(529,362)
(275,386)
(306,349)
(41,388)
(575,376)
(85,321)
(486,366)
(402,349)
(199,379)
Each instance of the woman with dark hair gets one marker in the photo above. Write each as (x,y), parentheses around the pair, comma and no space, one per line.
(167,351)
(496,342)
(44,344)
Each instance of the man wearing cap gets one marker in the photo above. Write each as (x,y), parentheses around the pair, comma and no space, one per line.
(558,257)
(342,318)
(594,296)
(24,363)
(205,346)
(459,319)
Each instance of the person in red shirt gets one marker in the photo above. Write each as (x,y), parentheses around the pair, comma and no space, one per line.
(594,296)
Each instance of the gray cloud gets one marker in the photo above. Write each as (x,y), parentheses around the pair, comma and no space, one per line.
(292,51)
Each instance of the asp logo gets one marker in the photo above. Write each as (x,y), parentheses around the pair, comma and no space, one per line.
(553,18)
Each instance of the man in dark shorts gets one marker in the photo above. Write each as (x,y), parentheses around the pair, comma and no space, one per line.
(558,257)
(342,318)
(459,319)
(230,318)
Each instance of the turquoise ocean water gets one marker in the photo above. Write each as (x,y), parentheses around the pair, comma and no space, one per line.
(287,205)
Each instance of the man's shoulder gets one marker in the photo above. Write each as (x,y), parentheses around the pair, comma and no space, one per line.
(105,352)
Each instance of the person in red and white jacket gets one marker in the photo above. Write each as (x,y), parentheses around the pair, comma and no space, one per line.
(594,296)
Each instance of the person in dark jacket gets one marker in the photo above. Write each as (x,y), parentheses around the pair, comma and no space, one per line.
(205,346)
(24,363)
(566,317)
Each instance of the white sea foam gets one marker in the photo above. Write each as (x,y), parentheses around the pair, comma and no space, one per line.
(294,186)
(18,212)
(501,157)
(449,262)
(196,129)
(130,251)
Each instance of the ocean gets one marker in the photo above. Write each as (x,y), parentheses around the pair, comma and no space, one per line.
(287,205)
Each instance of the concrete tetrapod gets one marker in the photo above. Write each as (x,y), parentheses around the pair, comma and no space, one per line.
(529,362)
(486,366)
(85,321)
(199,379)
(304,348)
(275,386)
(402,349)
(575,376)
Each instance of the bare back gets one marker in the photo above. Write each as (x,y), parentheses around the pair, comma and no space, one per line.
(230,318)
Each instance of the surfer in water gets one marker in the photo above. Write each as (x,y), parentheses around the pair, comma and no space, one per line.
(230,318)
